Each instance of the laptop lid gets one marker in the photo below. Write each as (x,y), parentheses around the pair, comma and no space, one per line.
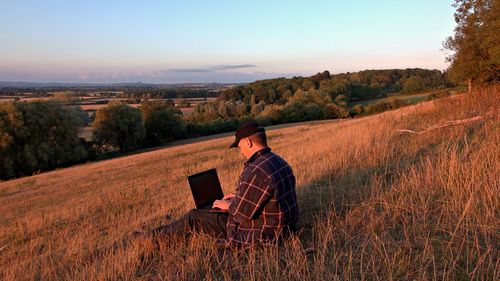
(206,188)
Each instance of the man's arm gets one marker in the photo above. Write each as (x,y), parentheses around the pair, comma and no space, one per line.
(253,193)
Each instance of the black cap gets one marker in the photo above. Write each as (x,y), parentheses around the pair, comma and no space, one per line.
(245,130)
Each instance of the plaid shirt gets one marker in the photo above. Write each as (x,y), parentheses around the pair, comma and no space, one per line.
(265,201)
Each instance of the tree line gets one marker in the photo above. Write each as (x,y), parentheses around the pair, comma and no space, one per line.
(43,135)
(321,96)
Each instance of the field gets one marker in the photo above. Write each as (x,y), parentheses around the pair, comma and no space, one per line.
(412,98)
(376,204)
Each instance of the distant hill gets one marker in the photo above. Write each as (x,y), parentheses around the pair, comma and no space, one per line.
(25,84)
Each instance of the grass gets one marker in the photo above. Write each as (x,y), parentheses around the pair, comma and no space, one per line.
(375,205)
(410,98)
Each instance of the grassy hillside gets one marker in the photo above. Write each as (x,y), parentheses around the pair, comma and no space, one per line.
(375,204)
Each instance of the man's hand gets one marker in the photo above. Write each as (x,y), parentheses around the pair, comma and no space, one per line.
(222,204)
(229,196)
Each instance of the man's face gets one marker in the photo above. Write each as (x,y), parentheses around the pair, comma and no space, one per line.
(245,145)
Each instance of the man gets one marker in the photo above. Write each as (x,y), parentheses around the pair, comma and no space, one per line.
(264,206)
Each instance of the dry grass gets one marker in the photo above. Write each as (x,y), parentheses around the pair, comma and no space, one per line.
(375,204)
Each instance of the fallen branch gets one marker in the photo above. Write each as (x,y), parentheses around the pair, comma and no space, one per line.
(445,124)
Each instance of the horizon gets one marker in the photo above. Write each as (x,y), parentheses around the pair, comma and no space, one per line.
(56,83)
(224,42)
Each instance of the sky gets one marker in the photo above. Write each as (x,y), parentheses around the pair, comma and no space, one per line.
(216,41)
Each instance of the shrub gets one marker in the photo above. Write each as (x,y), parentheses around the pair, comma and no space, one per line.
(383,106)
(356,110)
(333,111)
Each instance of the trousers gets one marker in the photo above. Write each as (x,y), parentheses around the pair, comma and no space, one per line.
(195,220)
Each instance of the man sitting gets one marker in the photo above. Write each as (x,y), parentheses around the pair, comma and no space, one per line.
(264,206)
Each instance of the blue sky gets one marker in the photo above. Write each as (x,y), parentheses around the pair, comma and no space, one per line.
(216,41)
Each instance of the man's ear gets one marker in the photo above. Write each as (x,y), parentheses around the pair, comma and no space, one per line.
(249,143)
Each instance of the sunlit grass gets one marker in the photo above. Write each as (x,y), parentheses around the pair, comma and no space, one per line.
(375,204)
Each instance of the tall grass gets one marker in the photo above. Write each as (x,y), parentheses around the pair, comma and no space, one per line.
(375,204)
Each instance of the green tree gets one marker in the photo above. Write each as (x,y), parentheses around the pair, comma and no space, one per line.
(38,136)
(119,125)
(163,122)
(475,47)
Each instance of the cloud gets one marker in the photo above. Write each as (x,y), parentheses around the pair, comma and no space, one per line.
(237,66)
(188,70)
(241,73)
(210,69)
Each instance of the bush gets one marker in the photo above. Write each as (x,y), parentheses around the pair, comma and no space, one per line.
(333,111)
(383,106)
(356,110)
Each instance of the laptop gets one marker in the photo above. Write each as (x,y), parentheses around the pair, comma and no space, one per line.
(206,188)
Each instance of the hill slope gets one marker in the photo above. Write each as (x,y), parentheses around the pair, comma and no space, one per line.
(375,204)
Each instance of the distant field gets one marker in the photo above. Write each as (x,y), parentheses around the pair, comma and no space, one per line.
(12,98)
(87,107)
(92,106)
(375,204)
(410,98)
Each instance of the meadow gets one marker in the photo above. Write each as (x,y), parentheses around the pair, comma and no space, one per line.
(375,203)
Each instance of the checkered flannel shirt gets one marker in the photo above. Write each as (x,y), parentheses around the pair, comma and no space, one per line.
(265,204)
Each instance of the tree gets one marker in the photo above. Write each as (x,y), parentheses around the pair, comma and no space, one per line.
(341,100)
(475,49)
(223,110)
(119,125)
(37,136)
(258,108)
(241,108)
(272,113)
(162,122)
(413,84)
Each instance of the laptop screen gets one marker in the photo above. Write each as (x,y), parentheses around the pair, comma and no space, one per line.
(206,188)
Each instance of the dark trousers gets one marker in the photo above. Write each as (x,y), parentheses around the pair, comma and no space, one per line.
(195,220)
